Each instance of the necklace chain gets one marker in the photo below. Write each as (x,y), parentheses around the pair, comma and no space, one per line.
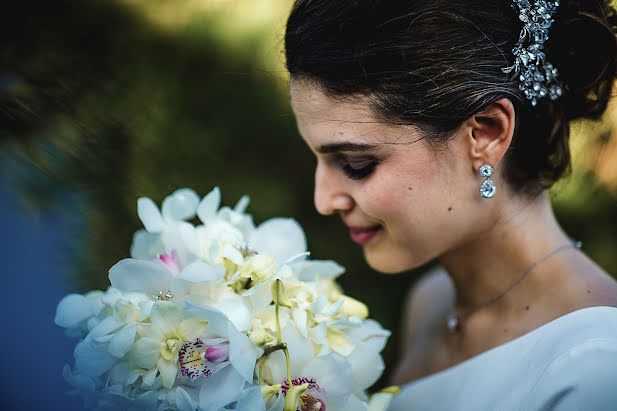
(453,320)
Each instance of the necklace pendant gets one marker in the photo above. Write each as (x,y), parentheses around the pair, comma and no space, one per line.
(452,323)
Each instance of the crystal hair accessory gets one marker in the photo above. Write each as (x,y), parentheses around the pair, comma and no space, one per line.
(537,77)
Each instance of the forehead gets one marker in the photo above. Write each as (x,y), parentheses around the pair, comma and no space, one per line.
(322,119)
(309,101)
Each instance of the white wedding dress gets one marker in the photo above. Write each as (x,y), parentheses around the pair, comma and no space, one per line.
(569,363)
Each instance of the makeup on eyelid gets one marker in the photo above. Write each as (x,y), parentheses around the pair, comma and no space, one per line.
(358,168)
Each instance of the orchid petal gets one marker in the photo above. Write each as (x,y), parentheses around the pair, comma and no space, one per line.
(251,400)
(77,380)
(72,309)
(281,238)
(370,333)
(379,401)
(279,403)
(146,245)
(217,321)
(92,358)
(108,325)
(209,205)
(150,215)
(145,352)
(333,372)
(165,316)
(276,365)
(318,334)
(315,269)
(300,317)
(145,307)
(187,233)
(366,366)
(180,205)
(353,403)
(199,271)
(137,275)
(323,307)
(241,205)
(217,353)
(333,308)
(242,353)
(122,341)
(169,371)
(236,309)
(176,237)
(232,254)
(300,350)
(260,297)
(339,341)
(119,373)
(191,328)
(220,389)
(183,400)
(103,339)
(150,376)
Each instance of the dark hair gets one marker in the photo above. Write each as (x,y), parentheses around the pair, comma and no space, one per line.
(435,63)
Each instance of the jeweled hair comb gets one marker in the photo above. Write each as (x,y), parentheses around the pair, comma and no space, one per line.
(537,77)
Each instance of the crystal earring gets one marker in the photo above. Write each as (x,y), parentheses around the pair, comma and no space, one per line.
(487,189)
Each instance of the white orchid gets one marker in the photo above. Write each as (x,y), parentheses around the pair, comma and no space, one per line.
(222,315)
(163,275)
(167,229)
(242,357)
(75,312)
(156,349)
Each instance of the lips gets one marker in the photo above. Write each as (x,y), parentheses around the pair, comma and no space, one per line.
(364,235)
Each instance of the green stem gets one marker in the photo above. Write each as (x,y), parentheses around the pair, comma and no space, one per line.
(278,325)
(286,351)
(262,361)
(279,342)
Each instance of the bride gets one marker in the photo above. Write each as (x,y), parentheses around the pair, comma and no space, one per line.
(438,126)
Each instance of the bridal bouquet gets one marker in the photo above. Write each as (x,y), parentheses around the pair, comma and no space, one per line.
(221,315)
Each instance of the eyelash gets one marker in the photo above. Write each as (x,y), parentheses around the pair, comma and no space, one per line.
(357,173)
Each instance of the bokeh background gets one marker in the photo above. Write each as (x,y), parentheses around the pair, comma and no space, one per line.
(104,101)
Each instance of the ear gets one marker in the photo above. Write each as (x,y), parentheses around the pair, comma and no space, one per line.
(491,133)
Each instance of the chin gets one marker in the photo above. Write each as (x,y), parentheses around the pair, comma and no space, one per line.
(389,262)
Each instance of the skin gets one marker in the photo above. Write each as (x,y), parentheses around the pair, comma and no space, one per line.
(426,202)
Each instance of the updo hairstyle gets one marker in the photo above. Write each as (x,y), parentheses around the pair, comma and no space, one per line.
(436,63)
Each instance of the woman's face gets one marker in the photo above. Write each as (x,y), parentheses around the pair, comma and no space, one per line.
(404,201)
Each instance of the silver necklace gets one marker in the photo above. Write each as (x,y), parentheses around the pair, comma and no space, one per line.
(453,320)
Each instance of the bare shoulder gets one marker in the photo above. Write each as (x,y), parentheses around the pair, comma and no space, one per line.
(426,305)
(429,300)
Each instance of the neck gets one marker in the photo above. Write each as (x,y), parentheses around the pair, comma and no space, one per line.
(482,268)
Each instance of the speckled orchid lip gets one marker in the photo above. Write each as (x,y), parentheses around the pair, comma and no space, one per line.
(313,398)
(199,357)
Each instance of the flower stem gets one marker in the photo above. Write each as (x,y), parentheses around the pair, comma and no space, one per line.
(278,325)
(286,351)
(262,361)
(279,341)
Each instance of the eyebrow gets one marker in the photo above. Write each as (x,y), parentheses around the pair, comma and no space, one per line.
(336,147)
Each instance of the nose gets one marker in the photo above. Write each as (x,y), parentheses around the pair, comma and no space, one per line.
(330,193)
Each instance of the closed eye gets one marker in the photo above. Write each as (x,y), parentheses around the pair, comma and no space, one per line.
(357,168)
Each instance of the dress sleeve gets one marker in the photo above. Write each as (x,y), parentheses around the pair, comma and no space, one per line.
(582,378)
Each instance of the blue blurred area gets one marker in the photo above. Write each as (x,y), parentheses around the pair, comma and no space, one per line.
(33,350)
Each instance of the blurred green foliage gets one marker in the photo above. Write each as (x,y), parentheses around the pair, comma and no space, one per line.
(113,100)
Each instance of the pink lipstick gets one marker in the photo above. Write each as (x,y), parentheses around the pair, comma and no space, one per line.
(363,235)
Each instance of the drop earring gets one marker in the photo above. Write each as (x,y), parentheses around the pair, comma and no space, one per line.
(487,189)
